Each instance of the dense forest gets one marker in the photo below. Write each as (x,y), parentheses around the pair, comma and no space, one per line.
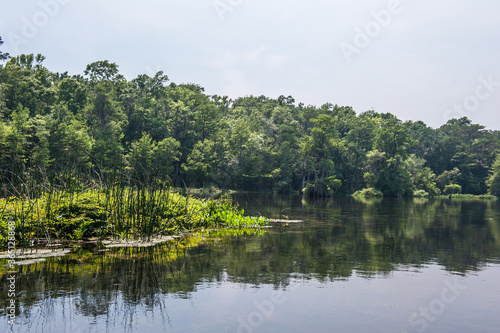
(66,128)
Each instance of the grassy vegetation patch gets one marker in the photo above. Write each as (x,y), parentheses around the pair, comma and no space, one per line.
(116,212)
(368,193)
(471,197)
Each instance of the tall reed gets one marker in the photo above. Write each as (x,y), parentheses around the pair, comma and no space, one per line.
(68,207)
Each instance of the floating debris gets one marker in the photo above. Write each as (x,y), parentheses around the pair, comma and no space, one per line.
(36,253)
(285,221)
(137,243)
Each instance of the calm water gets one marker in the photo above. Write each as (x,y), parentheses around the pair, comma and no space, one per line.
(352,266)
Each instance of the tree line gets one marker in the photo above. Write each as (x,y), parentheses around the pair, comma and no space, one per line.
(100,126)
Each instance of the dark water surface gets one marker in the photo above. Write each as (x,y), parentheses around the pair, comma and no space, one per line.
(353,266)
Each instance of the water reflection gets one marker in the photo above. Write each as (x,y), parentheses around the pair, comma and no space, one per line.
(376,235)
(339,239)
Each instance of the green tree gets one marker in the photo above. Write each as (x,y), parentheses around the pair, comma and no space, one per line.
(12,156)
(106,121)
(206,162)
(452,189)
(358,141)
(141,159)
(102,71)
(70,144)
(319,149)
(73,94)
(37,143)
(421,176)
(393,139)
(448,177)
(388,174)
(166,158)
(27,82)
(3,56)
(17,140)
(493,181)
(470,148)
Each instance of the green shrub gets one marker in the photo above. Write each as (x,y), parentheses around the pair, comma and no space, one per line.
(452,189)
(368,193)
(420,194)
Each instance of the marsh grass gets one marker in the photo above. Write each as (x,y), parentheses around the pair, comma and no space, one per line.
(470,197)
(50,213)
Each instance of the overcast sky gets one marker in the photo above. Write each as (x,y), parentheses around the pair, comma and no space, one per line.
(418,59)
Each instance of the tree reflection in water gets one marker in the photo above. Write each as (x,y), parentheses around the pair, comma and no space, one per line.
(339,237)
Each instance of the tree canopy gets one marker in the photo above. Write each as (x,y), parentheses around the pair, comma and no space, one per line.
(3,56)
(101,125)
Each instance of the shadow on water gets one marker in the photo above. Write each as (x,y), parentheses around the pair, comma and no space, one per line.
(339,237)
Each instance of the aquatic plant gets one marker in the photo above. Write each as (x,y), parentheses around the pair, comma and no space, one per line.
(115,211)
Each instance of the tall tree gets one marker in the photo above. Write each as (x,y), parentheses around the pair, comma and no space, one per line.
(493,181)
(105,116)
(141,159)
(321,146)
(70,144)
(3,56)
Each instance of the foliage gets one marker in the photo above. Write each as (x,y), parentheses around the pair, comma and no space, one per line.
(104,128)
(448,177)
(420,194)
(368,193)
(422,177)
(3,56)
(452,189)
(123,212)
(320,149)
(493,181)
(472,197)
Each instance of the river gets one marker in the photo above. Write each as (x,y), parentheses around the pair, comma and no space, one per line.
(379,265)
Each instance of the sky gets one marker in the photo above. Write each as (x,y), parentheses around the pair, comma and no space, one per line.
(417,59)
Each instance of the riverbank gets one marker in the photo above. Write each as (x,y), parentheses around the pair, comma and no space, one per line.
(373,193)
(469,197)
